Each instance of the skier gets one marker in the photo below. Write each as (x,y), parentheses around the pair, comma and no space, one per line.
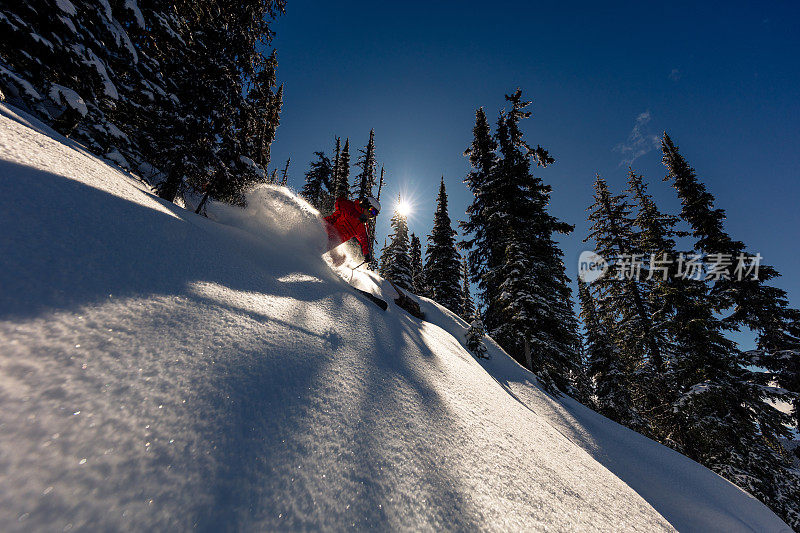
(349,220)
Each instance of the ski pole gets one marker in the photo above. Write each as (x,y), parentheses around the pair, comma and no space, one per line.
(354,269)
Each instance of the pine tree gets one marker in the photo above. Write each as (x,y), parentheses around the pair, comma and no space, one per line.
(372,225)
(318,181)
(366,180)
(756,305)
(467,306)
(395,259)
(720,409)
(417,272)
(725,420)
(341,187)
(474,336)
(260,122)
(516,263)
(665,293)
(622,299)
(581,383)
(442,266)
(484,253)
(336,164)
(159,88)
(611,396)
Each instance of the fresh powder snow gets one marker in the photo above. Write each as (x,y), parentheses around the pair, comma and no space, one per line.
(162,370)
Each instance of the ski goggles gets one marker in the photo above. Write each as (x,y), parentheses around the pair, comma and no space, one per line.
(372,212)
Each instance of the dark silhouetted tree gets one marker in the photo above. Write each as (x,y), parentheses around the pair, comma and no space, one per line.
(442,265)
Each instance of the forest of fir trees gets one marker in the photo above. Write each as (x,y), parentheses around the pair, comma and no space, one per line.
(653,352)
(183,94)
(659,357)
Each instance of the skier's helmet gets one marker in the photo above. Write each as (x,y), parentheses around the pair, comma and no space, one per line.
(371,206)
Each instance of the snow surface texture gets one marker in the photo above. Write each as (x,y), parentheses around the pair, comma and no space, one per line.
(160,370)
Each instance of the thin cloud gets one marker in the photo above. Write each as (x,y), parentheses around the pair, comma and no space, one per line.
(675,75)
(640,141)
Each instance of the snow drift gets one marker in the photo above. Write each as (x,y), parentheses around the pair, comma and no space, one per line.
(161,370)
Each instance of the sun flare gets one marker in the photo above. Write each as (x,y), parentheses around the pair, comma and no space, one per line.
(403,208)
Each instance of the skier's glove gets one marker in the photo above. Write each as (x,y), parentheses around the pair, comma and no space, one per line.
(367,257)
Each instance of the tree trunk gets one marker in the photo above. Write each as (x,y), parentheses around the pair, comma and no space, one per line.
(168,189)
(528,356)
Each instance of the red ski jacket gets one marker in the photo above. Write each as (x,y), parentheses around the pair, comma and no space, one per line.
(345,223)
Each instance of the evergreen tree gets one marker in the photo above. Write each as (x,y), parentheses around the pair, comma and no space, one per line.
(260,122)
(516,263)
(366,180)
(611,396)
(725,418)
(318,181)
(383,263)
(341,187)
(417,272)
(581,383)
(756,305)
(372,224)
(467,307)
(395,259)
(665,293)
(720,410)
(442,266)
(484,252)
(336,164)
(696,394)
(474,335)
(621,298)
(159,88)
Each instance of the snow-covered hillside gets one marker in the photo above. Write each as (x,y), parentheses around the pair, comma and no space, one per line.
(160,371)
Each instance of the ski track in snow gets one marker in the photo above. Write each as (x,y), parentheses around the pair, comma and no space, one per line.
(160,370)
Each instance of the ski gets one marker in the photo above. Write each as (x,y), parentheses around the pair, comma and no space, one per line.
(374,299)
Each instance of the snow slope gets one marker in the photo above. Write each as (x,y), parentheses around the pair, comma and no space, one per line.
(160,370)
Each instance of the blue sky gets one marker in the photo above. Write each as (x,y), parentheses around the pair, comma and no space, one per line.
(722,78)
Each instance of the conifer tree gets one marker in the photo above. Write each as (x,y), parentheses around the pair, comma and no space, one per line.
(474,336)
(516,263)
(756,305)
(702,398)
(341,187)
(611,396)
(622,298)
(484,253)
(722,418)
(442,266)
(417,273)
(372,225)
(666,294)
(581,384)
(263,107)
(318,179)
(726,420)
(160,88)
(366,180)
(395,259)
(467,306)
(336,164)
(337,155)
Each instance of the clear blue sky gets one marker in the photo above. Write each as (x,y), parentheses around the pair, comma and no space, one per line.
(723,79)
